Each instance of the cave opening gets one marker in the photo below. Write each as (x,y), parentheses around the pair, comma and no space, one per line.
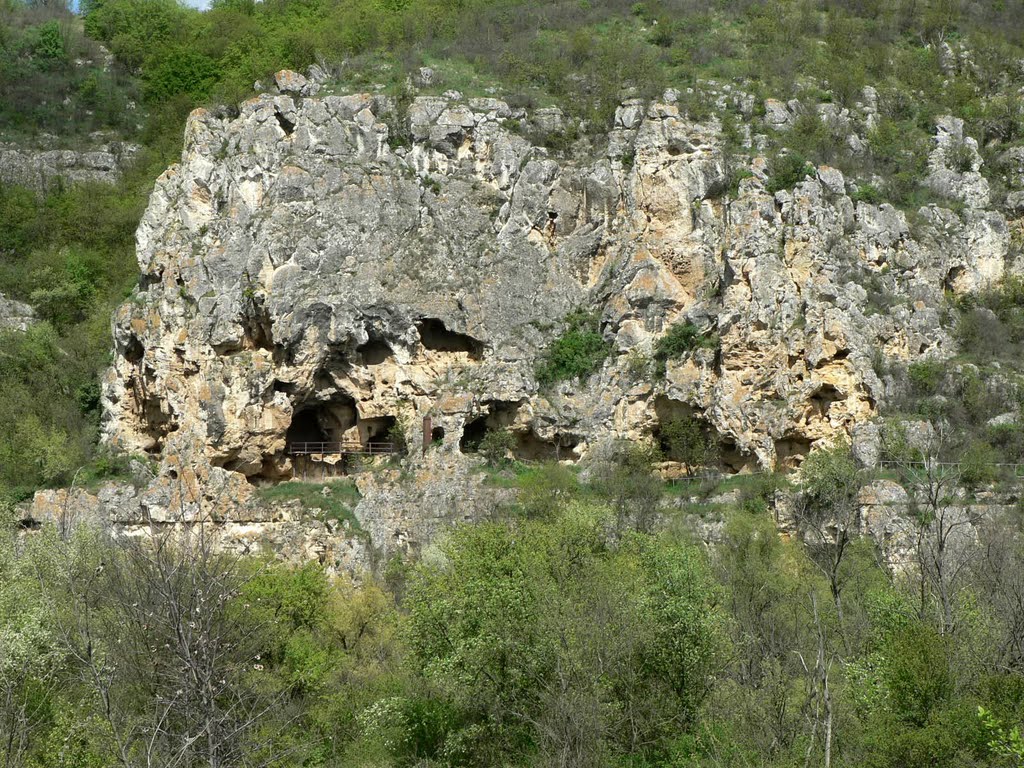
(376,429)
(823,398)
(500,415)
(375,351)
(473,434)
(286,125)
(790,451)
(306,428)
(329,421)
(685,436)
(435,336)
(532,447)
(437,435)
(134,351)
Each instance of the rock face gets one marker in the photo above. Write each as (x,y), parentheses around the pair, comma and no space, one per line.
(40,169)
(324,269)
(15,315)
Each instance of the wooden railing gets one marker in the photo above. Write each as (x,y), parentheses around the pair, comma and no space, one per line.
(352,449)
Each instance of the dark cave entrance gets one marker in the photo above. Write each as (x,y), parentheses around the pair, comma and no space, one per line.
(435,336)
(375,351)
(529,446)
(500,415)
(305,428)
(330,421)
(685,436)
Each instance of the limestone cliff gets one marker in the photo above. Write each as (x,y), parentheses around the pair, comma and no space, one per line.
(42,168)
(322,268)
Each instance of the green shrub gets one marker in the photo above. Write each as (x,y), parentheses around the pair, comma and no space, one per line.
(546,491)
(926,376)
(577,353)
(867,193)
(978,465)
(679,340)
(496,445)
(786,171)
(689,441)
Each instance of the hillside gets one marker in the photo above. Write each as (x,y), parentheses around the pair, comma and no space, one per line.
(418,383)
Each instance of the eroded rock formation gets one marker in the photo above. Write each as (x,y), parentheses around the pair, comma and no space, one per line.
(324,269)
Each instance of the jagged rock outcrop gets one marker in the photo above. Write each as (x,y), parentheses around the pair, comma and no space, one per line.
(322,268)
(39,169)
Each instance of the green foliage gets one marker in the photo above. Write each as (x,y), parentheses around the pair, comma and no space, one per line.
(1003,741)
(333,501)
(626,479)
(787,171)
(496,446)
(53,78)
(510,624)
(977,465)
(577,353)
(546,490)
(830,477)
(926,376)
(688,440)
(181,71)
(71,255)
(679,340)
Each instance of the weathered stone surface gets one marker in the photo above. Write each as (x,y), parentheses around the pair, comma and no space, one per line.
(953,165)
(302,280)
(40,169)
(15,315)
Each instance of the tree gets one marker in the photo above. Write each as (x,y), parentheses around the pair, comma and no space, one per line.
(155,633)
(944,545)
(627,479)
(687,440)
(31,661)
(828,512)
(513,625)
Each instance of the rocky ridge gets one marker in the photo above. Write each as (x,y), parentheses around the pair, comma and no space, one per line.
(39,169)
(324,268)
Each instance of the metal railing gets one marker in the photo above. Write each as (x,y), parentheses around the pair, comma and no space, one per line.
(351,448)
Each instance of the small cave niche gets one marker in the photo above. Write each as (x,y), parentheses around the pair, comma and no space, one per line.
(500,415)
(287,387)
(685,436)
(734,460)
(952,278)
(532,447)
(375,429)
(375,351)
(437,435)
(435,336)
(697,438)
(258,326)
(286,125)
(134,351)
(156,420)
(790,451)
(823,398)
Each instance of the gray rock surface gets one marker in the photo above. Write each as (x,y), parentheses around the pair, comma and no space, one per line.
(39,169)
(15,315)
(307,273)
